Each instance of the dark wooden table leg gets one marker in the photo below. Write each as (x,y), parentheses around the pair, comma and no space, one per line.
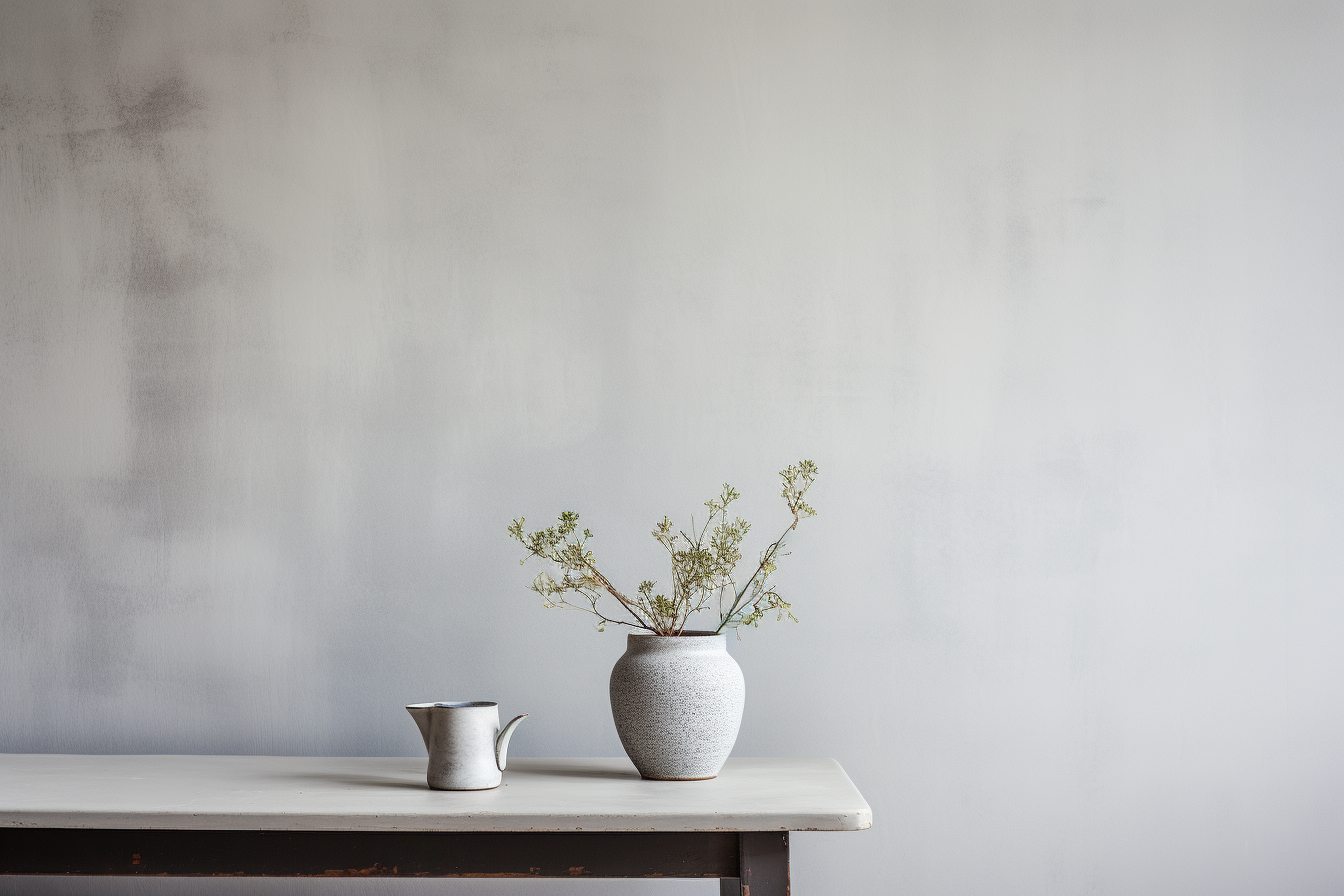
(765,865)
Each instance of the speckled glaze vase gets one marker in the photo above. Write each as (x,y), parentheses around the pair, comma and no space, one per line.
(677,702)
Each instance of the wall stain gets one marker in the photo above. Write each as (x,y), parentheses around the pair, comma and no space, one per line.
(108,21)
(166,106)
(7,106)
(296,24)
(124,151)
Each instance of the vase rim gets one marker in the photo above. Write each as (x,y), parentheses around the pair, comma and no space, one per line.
(684,634)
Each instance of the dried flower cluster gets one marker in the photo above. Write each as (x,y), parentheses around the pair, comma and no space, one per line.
(704,565)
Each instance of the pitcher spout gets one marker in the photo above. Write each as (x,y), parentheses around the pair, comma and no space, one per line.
(420,712)
(502,742)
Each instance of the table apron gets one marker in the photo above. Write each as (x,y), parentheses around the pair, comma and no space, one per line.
(693,854)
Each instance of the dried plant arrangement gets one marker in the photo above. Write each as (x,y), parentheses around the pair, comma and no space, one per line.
(704,567)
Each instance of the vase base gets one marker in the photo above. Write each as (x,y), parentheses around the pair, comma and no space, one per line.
(657,778)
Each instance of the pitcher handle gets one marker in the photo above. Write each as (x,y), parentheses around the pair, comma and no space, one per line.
(502,742)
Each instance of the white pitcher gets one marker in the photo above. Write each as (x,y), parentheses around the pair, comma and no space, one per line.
(467,749)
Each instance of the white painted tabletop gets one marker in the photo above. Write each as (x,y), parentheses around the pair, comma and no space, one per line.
(300,793)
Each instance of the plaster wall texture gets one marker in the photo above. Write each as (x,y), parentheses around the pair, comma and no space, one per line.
(301,304)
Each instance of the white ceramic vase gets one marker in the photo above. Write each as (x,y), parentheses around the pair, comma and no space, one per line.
(677,703)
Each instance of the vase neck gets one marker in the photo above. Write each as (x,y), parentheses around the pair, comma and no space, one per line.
(687,642)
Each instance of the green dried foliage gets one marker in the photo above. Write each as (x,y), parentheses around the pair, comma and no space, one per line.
(704,567)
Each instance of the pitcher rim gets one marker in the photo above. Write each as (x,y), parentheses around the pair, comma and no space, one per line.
(459,704)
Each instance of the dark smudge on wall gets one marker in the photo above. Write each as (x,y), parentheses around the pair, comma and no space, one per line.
(123,148)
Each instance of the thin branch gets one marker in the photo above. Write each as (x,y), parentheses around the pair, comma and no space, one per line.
(765,559)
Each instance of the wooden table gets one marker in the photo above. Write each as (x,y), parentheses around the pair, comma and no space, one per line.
(282,816)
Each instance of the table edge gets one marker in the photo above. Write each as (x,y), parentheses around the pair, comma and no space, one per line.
(857,818)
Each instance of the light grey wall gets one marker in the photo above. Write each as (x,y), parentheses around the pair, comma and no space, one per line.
(300,305)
